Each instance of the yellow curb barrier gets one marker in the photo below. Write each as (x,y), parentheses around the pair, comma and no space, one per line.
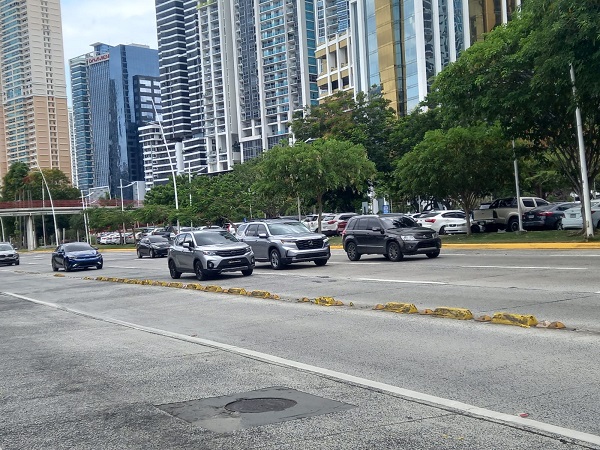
(121,280)
(88,278)
(132,282)
(59,275)
(453,313)
(304,300)
(260,294)
(328,301)
(484,318)
(520,320)
(236,291)
(195,286)
(401,308)
(426,312)
(213,288)
(557,325)
(274,297)
(378,307)
(176,284)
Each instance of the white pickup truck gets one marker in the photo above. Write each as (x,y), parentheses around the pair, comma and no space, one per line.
(503,213)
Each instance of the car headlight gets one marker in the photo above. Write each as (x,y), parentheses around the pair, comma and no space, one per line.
(408,237)
(435,235)
(209,252)
(326,240)
(287,241)
(248,249)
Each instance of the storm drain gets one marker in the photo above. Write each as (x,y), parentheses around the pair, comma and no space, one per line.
(251,409)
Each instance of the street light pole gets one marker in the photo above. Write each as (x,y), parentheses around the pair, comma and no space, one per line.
(51,202)
(122,206)
(85,224)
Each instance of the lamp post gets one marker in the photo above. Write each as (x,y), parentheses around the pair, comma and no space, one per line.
(122,206)
(50,197)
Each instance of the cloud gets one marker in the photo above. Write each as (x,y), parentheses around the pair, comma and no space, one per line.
(112,22)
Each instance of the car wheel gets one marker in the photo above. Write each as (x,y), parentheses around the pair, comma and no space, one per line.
(558,225)
(17,263)
(67,266)
(433,254)
(152,254)
(199,271)
(394,252)
(139,254)
(54,268)
(275,259)
(513,225)
(442,230)
(475,229)
(173,270)
(99,266)
(247,272)
(352,251)
(320,262)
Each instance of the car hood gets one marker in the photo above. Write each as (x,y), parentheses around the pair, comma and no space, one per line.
(160,244)
(423,232)
(215,247)
(7,252)
(300,236)
(81,253)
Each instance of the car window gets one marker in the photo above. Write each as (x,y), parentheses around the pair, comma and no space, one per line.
(345,216)
(529,203)
(373,223)
(362,224)
(187,239)
(252,230)
(145,241)
(398,222)
(541,201)
(156,239)
(261,229)
(215,238)
(288,228)
(77,247)
(351,224)
(5,247)
(179,240)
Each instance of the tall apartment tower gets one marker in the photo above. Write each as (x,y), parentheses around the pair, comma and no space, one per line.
(400,45)
(34,123)
(232,73)
(115,90)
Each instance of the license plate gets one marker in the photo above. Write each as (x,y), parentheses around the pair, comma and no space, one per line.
(573,216)
(235,261)
(530,216)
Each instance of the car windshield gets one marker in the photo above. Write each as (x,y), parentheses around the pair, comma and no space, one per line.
(215,238)
(5,247)
(157,239)
(287,228)
(77,247)
(398,222)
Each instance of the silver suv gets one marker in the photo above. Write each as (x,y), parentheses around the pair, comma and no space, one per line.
(209,252)
(8,254)
(281,242)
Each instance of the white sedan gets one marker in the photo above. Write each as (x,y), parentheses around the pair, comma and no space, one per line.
(573,219)
(440,220)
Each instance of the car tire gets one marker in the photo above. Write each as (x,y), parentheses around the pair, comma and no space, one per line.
(173,270)
(558,225)
(17,263)
(475,229)
(99,266)
(433,254)
(152,254)
(67,266)
(352,251)
(139,254)
(54,268)
(442,230)
(513,225)
(247,272)
(275,259)
(320,262)
(201,275)
(394,252)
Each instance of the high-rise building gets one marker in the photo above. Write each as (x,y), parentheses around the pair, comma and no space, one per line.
(74,180)
(115,90)
(34,125)
(232,73)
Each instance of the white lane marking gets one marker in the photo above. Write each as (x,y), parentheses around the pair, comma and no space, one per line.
(378,280)
(524,267)
(440,402)
(400,281)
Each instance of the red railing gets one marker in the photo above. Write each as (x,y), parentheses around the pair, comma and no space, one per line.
(36,204)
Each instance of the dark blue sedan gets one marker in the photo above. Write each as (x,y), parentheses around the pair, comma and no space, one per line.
(76,255)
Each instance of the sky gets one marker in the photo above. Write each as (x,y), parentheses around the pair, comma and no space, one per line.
(112,22)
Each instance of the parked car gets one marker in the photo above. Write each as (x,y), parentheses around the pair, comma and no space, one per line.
(548,217)
(282,242)
(439,220)
(393,237)
(573,219)
(461,228)
(76,255)
(153,246)
(329,224)
(209,252)
(311,221)
(8,254)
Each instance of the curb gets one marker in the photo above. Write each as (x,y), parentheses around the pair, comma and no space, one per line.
(517,246)
(504,318)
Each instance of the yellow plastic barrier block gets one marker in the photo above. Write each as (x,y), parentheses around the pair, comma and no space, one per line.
(88,278)
(260,294)
(484,318)
(176,284)
(101,279)
(379,307)
(328,301)
(401,308)
(195,286)
(133,282)
(557,325)
(426,312)
(236,291)
(304,300)
(520,320)
(213,288)
(275,297)
(59,275)
(453,313)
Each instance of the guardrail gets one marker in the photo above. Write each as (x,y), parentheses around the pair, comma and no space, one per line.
(36,204)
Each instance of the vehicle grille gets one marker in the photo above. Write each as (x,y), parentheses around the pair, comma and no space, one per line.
(234,252)
(309,244)
(424,236)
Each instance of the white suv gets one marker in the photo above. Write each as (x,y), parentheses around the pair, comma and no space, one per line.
(329,224)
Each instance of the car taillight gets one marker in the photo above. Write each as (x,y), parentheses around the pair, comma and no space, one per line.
(331,222)
(430,220)
(545,213)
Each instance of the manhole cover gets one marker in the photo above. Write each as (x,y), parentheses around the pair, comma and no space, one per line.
(260,405)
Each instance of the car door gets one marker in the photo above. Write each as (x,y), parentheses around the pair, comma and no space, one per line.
(250,236)
(177,250)
(143,246)
(187,252)
(360,234)
(59,256)
(261,244)
(375,236)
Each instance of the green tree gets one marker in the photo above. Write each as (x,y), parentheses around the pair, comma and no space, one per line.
(58,183)
(310,170)
(519,76)
(13,184)
(463,164)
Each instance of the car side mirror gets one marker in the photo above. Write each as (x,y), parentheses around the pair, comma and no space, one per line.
(187,245)
(262,235)
(95,248)
(377,229)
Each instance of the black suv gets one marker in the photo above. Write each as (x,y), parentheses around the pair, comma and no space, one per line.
(391,236)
